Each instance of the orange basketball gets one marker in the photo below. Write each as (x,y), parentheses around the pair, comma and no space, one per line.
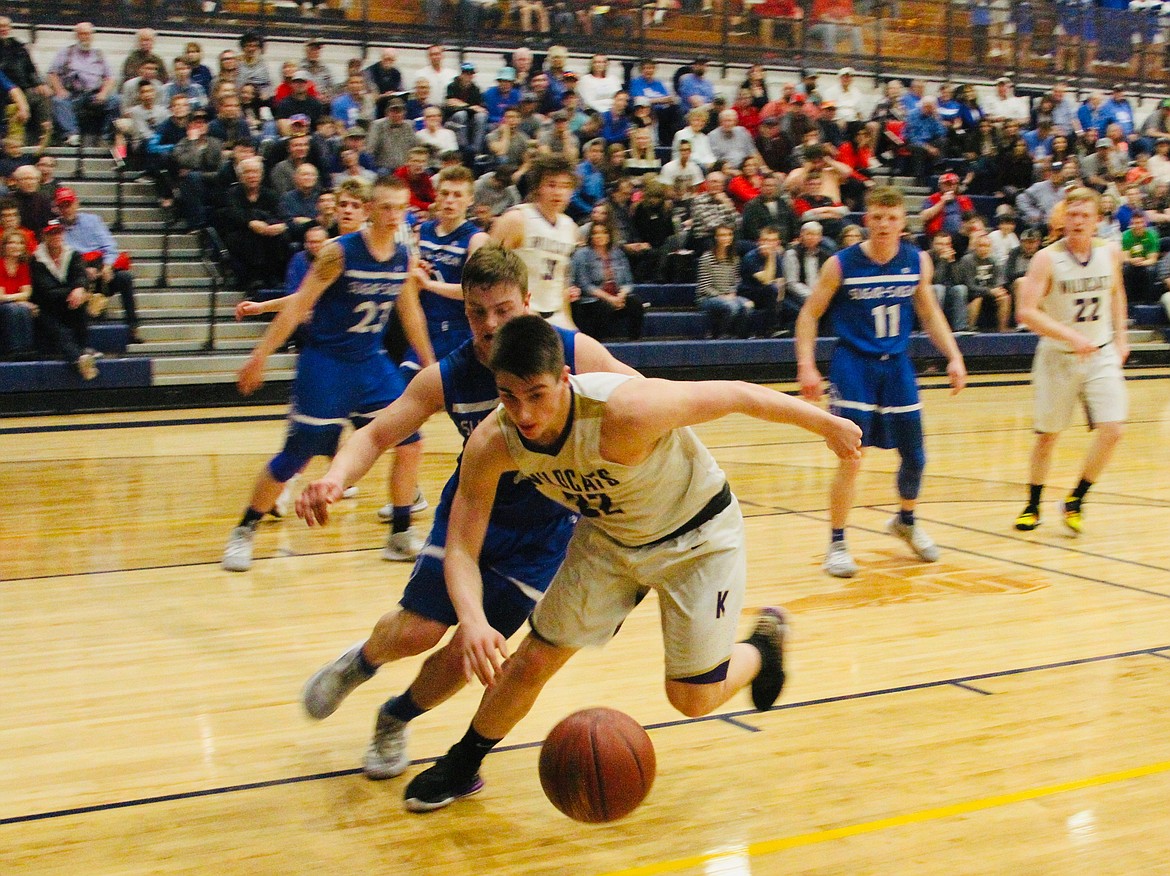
(597,765)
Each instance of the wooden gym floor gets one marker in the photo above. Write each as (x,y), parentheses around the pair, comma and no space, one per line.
(1001,711)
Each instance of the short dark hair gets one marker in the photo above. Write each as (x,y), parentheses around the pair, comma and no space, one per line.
(549,165)
(492,265)
(526,347)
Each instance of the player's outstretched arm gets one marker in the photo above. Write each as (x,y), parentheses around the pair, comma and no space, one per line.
(936,325)
(1033,287)
(1120,306)
(485,458)
(641,411)
(326,268)
(828,281)
(422,399)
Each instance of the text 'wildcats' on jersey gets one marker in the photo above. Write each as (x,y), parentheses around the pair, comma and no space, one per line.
(350,317)
(873,310)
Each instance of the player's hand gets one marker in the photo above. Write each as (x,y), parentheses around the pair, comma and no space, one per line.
(251,376)
(247,308)
(1122,344)
(484,651)
(844,438)
(957,374)
(1083,347)
(810,383)
(314,501)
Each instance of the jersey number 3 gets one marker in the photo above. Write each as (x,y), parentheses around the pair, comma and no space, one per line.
(886,319)
(374,316)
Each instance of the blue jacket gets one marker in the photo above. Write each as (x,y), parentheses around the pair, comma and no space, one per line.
(588,271)
(591,189)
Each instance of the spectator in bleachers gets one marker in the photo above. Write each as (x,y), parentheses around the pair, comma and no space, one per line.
(773,145)
(1159,163)
(546,102)
(694,88)
(229,73)
(10,221)
(1015,268)
(148,71)
(846,95)
(1109,227)
(833,21)
(711,209)
(418,100)
(643,117)
(141,123)
(252,231)
(762,283)
(414,174)
(60,295)
(436,138)
(391,138)
(984,280)
(803,260)
(507,142)
(1004,104)
(1139,253)
(682,168)
(16,308)
(182,83)
(319,72)
(521,60)
(613,168)
(299,104)
(284,88)
(648,86)
(1120,110)
(384,80)
(1015,169)
(351,168)
(615,122)
(251,67)
(950,292)
(532,123)
(282,176)
(693,133)
(1100,169)
(890,107)
(857,155)
(1094,114)
(354,106)
(196,161)
(143,51)
(230,126)
(200,72)
(815,159)
(769,209)
(746,112)
(83,86)
(926,137)
(17,64)
(601,286)
(501,96)
(47,166)
(436,72)
(495,191)
(88,234)
(465,110)
(298,206)
(256,112)
(558,139)
(949,108)
(717,291)
(36,209)
(642,158)
(326,217)
(745,185)
(829,132)
(1003,238)
(597,87)
(590,180)
(812,203)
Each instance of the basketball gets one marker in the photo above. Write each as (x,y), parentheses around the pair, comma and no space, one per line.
(597,765)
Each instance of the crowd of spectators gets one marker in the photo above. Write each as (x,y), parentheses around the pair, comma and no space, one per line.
(744,191)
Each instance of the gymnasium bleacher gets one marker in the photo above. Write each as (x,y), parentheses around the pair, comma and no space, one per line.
(191,346)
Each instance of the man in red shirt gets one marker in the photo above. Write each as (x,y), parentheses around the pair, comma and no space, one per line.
(414,174)
(943,210)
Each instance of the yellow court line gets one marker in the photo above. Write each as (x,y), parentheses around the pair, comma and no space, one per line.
(768,847)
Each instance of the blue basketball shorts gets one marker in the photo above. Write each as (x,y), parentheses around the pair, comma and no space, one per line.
(516,566)
(329,392)
(879,394)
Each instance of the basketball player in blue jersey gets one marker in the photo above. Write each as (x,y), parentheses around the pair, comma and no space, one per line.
(526,538)
(871,291)
(1074,298)
(343,374)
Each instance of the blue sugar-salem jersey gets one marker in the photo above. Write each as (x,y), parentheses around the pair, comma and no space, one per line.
(349,318)
(470,395)
(447,254)
(873,310)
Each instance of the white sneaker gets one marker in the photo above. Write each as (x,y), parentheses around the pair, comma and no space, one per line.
(915,536)
(402,547)
(349,492)
(285,501)
(386,755)
(386,512)
(838,562)
(87,366)
(332,683)
(237,556)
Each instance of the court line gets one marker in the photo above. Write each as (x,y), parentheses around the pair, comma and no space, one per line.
(921,816)
(743,725)
(972,688)
(732,717)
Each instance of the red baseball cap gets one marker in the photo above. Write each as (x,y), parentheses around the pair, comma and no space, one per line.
(949,177)
(65,195)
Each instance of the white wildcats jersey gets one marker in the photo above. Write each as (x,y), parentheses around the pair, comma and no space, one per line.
(546,251)
(632,504)
(1081,296)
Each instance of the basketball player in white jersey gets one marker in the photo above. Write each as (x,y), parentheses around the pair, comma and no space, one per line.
(656,512)
(1073,297)
(544,237)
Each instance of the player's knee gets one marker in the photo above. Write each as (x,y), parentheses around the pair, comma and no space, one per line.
(534,661)
(692,700)
(1111,432)
(287,464)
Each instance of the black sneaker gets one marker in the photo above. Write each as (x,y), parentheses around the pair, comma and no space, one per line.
(768,638)
(439,786)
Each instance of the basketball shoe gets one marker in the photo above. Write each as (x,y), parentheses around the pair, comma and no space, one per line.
(838,562)
(386,755)
(768,638)
(915,536)
(332,683)
(386,512)
(402,547)
(237,556)
(441,785)
(1070,514)
(1028,519)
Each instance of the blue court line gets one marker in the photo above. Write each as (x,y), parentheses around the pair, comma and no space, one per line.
(740,724)
(971,687)
(729,717)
